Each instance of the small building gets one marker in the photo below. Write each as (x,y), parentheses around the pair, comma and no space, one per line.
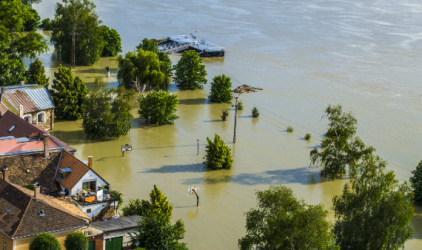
(26,213)
(112,234)
(32,102)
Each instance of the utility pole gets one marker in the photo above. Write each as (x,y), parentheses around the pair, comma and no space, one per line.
(235,119)
(72,56)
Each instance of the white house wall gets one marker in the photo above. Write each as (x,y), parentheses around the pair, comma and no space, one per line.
(90,175)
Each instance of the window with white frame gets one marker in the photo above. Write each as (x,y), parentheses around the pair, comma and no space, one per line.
(28,118)
(41,117)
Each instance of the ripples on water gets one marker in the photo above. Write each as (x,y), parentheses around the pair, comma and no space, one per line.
(365,55)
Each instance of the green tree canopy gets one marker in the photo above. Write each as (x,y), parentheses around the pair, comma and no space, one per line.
(158,205)
(76,241)
(160,105)
(45,241)
(14,44)
(218,154)
(142,70)
(155,231)
(416,181)
(108,111)
(68,94)
(165,61)
(221,89)
(33,23)
(88,41)
(47,24)
(281,221)
(341,147)
(374,211)
(190,72)
(36,74)
(30,2)
(148,45)
(112,41)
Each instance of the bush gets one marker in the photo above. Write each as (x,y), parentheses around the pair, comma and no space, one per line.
(218,154)
(416,181)
(31,186)
(76,241)
(160,105)
(307,136)
(221,89)
(45,241)
(255,112)
(289,129)
(240,105)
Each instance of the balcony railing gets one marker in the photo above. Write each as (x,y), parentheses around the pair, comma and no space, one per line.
(86,201)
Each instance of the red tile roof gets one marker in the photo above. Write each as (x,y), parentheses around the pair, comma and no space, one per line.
(24,128)
(79,169)
(19,214)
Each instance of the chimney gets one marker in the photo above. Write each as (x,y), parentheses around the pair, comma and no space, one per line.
(37,192)
(2,90)
(22,83)
(47,146)
(90,161)
(6,173)
(21,111)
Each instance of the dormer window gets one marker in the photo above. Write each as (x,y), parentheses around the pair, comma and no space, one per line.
(41,213)
(64,172)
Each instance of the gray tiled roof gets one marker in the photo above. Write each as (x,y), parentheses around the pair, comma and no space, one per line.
(37,93)
(117,224)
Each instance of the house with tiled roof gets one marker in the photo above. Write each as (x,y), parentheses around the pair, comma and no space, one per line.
(25,213)
(40,158)
(32,102)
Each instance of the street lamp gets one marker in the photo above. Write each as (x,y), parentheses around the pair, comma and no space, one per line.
(149,118)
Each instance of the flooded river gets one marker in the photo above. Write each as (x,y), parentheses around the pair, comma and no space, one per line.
(365,55)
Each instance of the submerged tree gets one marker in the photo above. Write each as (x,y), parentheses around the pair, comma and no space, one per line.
(148,45)
(160,106)
(155,231)
(108,111)
(36,74)
(112,41)
(79,15)
(374,211)
(68,94)
(221,89)
(158,205)
(15,45)
(281,221)
(141,70)
(190,72)
(218,154)
(342,148)
(416,181)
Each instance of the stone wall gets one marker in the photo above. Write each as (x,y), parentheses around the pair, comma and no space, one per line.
(48,124)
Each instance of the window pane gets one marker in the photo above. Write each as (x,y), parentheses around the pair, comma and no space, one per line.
(41,117)
(85,185)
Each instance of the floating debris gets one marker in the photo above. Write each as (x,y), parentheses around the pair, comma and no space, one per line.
(245,89)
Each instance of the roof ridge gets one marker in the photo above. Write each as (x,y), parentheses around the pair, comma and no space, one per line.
(24,213)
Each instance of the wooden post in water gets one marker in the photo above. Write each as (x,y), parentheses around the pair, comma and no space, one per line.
(235,119)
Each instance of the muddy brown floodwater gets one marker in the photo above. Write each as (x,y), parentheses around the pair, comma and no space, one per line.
(305,55)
